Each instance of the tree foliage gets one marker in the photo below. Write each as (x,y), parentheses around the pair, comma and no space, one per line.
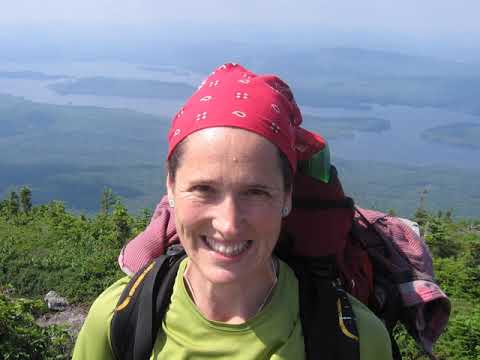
(22,339)
(107,201)
(25,199)
(46,247)
(455,246)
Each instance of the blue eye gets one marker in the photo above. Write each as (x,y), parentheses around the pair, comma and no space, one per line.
(204,189)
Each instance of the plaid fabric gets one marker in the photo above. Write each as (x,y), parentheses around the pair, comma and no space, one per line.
(150,243)
(427,306)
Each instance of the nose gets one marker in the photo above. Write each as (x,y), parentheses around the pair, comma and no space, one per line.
(228,218)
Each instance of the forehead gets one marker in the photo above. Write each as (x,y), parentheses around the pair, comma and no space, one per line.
(229,151)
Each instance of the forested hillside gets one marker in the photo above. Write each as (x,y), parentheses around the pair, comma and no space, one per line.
(124,150)
(46,247)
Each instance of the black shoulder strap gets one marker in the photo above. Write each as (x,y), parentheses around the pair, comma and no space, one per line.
(328,321)
(142,306)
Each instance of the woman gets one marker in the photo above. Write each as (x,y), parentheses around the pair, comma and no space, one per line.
(231,160)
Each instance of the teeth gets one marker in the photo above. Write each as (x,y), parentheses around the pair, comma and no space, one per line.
(227,250)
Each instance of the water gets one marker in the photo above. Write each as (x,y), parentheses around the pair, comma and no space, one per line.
(401,144)
(37,90)
(105,68)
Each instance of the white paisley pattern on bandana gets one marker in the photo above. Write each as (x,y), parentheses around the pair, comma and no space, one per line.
(234,96)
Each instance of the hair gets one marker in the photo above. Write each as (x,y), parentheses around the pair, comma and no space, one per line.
(173,163)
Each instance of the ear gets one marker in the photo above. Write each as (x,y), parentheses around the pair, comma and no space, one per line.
(287,202)
(170,185)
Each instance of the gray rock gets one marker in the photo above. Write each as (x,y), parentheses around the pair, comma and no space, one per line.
(73,318)
(55,302)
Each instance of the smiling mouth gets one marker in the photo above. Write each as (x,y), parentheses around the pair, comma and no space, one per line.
(225,249)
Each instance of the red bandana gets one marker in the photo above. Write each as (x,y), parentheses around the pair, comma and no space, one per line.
(234,96)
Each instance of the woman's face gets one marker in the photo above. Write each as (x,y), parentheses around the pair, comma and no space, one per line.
(229,194)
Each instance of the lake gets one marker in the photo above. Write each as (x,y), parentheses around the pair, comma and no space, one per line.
(400,144)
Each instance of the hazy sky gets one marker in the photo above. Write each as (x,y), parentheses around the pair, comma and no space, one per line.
(422,26)
(407,16)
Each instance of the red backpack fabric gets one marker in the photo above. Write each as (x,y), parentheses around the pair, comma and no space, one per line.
(321,223)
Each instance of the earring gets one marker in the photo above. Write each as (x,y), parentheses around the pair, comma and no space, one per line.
(171,202)
(285,211)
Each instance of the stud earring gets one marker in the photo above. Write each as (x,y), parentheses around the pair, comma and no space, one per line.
(171,202)
(285,211)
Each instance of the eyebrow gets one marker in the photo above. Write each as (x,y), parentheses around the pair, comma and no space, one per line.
(262,186)
(249,185)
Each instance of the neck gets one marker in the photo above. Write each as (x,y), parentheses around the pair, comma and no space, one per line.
(232,303)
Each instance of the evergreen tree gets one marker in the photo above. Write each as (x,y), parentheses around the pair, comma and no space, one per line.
(448,215)
(3,206)
(144,219)
(107,201)
(421,215)
(439,238)
(121,221)
(26,199)
(13,203)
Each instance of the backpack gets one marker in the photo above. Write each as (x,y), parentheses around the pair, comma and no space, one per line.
(327,319)
(375,257)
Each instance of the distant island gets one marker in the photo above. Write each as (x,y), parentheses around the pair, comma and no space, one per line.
(458,134)
(169,69)
(30,75)
(135,88)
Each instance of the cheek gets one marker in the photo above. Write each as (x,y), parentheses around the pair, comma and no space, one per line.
(188,219)
(257,221)
(268,225)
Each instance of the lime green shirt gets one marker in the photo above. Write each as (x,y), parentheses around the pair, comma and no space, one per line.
(274,333)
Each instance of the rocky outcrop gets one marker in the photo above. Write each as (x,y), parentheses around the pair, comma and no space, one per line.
(55,302)
(72,317)
(61,313)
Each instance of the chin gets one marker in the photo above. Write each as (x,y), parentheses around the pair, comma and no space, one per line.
(219,275)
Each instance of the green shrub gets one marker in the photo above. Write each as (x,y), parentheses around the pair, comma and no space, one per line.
(51,249)
(461,340)
(48,248)
(21,338)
